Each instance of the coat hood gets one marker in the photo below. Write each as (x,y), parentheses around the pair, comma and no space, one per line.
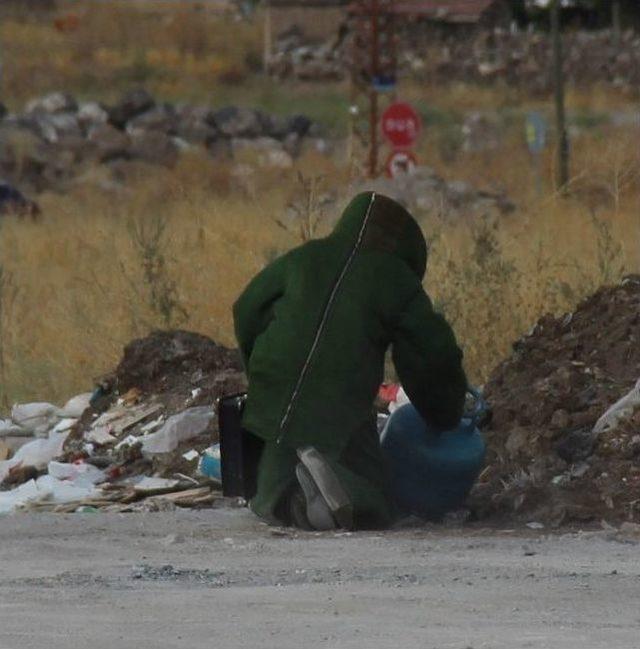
(388,227)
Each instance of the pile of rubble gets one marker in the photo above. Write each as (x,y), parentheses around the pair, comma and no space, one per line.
(55,138)
(424,192)
(564,438)
(136,443)
(522,59)
(294,57)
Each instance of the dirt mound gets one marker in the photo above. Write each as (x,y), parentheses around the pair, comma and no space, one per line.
(545,462)
(167,357)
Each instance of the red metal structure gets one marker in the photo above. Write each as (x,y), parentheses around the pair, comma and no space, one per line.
(373,71)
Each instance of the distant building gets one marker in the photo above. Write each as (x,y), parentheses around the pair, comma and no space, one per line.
(319,20)
(452,18)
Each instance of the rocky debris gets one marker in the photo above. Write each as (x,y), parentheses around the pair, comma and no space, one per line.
(522,59)
(552,457)
(141,435)
(134,103)
(53,141)
(294,57)
(424,191)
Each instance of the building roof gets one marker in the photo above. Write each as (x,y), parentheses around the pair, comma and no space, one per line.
(307,4)
(450,11)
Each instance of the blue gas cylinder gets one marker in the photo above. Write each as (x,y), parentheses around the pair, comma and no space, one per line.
(432,473)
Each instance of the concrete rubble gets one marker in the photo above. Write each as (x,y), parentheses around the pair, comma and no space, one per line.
(521,59)
(52,142)
(425,192)
(135,443)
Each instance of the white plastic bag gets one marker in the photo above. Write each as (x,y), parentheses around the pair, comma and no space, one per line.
(178,428)
(36,417)
(37,453)
(620,410)
(76,406)
(41,451)
(10,429)
(78,473)
(11,500)
(63,491)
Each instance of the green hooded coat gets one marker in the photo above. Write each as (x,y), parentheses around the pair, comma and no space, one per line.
(313,328)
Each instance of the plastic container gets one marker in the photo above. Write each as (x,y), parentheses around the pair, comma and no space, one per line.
(432,473)
(209,464)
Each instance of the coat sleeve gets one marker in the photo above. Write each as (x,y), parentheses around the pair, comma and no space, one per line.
(429,363)
(253,310)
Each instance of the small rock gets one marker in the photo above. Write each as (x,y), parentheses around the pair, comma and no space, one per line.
(239,122)
(91,113)
(154,148)
(55,102)
(159,118)
(134,103)
(110,142)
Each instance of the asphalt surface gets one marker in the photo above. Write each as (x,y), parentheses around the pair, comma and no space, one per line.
(220,579)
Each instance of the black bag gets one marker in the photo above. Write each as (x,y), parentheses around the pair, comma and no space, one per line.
(240,451)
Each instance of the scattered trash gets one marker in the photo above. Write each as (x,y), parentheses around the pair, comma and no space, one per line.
(37,453)
(9,428)
(156,485)
(35,417)
(11,500)
(178,428)
(209,465)
(75,407)
(620,410)
(88,455)
(191,455)
(78,472)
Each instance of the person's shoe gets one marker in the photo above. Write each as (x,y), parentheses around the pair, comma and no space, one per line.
(317,511)
(325,484)
(297,504)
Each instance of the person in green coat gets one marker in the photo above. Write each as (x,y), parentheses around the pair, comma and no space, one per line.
(313,328)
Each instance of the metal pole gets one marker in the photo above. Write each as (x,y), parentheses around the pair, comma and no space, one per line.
(373,94)
(562,140)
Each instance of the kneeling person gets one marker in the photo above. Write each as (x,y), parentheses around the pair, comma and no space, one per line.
(313,328)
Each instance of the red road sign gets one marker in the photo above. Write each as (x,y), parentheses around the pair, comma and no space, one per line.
(401,163)
(401,125)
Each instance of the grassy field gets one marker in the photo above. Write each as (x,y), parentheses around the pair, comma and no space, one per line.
(177,247)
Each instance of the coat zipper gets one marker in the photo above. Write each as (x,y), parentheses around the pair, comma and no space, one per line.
(323,321)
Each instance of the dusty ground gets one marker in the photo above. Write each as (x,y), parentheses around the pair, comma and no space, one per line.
(217,578)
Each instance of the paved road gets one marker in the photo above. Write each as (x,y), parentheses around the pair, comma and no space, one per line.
(217,579)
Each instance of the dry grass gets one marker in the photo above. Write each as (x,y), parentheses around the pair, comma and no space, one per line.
(76,288)
(100,49)
(176,248)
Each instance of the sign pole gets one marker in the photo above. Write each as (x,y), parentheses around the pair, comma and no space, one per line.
(561,126)
(373,102)
(373,70)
